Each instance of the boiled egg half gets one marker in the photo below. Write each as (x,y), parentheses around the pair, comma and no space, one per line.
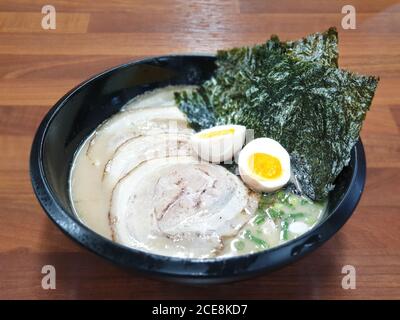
(264,165)
(219,143)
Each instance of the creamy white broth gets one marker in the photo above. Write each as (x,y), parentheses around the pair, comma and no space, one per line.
(279,217)
(282,217)
(90,198)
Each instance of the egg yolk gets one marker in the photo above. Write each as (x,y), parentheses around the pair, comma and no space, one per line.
(216,133)
(265,165)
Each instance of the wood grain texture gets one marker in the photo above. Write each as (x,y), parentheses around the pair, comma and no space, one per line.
(37,67)
(26,22)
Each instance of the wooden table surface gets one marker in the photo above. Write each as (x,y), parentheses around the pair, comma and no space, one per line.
(38,66)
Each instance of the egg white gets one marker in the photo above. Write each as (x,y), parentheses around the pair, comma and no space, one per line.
(219,148)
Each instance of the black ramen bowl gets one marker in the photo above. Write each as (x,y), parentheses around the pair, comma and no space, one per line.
(80,111)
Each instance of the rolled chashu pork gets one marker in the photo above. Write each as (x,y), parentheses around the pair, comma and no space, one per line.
(162,198)
(179,206)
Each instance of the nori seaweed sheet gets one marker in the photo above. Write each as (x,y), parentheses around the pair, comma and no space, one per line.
(318,47)
(291,92)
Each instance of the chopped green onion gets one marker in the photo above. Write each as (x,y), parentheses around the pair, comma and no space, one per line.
(279,206)
(285,198)
(239,245)
(285,229)
(266,200)
(293,200)
(260,218)
(281,195)
(275,214)
(296,216)
(311,220)
(305,201)
(259,242)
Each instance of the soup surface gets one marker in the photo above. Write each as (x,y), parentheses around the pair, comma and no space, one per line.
(136,181)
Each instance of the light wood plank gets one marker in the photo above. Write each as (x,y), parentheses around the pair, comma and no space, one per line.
(31,22)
